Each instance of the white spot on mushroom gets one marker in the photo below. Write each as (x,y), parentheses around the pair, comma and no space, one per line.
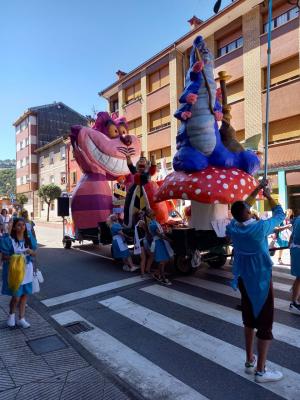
(235,187)
(195,179)
(232,195)
(184,196)
(249,187)
(231,178)
(234,172)
(190,186)
(248,179)
(197,191)
(225,186)
(208,177)
(243,182)
(190,174)
(245,197)
(222,176)
(208,193)
(209,185)
(174,184)
(216,202)
(171,193)
(223,170)
(181,187)
(218,181)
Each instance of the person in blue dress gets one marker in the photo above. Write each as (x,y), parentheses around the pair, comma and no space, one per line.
(19,241)
(160,247)
(295,262)
(252,269)
(119,246)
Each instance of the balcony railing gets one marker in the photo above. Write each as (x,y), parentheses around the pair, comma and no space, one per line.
(159,128)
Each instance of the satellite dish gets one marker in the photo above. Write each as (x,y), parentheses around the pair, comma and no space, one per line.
(217,6)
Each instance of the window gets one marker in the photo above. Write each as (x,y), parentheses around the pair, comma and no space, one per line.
(133,92)
(63,179)
(158,79)
(52,179)
(27,179)
(62,153)
(74,178)
(160,154)
(236,44)
(51,157)
(27,160)
(160,119)
(135,127)
(41,161)
(21,163)
(235,91)
(114,106)
(26,142)
(24,124)
(282,19)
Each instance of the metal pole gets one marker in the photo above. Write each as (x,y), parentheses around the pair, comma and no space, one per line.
(268,88)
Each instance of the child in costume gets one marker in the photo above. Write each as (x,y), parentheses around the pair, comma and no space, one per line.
(252,269)
(119,195)
(119,247)
(295,263)
(142,243)
(160,247)
(19,242)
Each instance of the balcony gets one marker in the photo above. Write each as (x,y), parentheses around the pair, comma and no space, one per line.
(159,137)
(133,109)
(158,99)
(285,42)
(284,100)
(232,63)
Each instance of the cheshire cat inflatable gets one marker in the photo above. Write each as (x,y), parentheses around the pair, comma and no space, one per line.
(199,141)
(100,152)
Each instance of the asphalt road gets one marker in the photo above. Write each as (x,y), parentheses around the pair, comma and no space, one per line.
(181,342)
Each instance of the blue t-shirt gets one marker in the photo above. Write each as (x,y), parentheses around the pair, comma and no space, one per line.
(116,228)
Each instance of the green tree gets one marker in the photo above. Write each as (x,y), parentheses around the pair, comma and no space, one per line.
(49,193)
(7,181)
(22,199)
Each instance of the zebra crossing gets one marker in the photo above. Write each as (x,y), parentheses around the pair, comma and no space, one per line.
(185,342)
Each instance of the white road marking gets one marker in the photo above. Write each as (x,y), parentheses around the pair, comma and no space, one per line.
(222,353)
(227,274)
(280,304)
(106,287)
(282,332)
(151,381)
(93,254)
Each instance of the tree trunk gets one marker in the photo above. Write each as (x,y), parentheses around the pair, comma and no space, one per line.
(48,211)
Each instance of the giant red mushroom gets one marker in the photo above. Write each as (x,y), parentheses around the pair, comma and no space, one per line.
(210,192)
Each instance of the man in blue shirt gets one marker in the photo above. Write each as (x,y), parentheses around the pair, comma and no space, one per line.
(295,262)
(252,269)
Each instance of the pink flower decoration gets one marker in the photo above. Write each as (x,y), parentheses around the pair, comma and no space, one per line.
(218,115)
(219,94)
(186,115)
(191,98)
(198,66)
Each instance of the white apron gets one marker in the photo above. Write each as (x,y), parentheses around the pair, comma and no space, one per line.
(19,248)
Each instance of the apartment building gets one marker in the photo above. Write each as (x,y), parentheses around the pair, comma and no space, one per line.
(73,170)
(237,36)
(52,168)
(37,127)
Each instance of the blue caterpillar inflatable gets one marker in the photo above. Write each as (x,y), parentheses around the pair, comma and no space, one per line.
(199,142)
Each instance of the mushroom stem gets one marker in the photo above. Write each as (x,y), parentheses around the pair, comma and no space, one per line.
(203,214)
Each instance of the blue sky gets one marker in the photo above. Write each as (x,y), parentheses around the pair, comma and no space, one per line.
(68,50)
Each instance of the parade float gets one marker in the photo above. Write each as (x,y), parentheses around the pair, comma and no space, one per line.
(107,153)
(211,168)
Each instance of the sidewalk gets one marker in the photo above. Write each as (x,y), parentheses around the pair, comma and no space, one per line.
(38,364)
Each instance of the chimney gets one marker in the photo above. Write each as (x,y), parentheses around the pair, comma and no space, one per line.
(120,74)
(194,22)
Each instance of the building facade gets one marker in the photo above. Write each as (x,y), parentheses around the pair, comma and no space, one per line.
(37,127)
(237,36)
(52,169)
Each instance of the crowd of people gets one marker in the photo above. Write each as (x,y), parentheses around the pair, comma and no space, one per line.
(150,243)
